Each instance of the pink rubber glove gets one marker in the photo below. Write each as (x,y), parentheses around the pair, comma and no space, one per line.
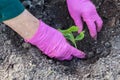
(53,44)
(85,9)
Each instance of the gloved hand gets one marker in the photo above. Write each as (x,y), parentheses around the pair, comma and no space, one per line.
(85,9)
(53,44)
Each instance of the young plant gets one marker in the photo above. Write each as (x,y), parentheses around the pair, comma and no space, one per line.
(68,33)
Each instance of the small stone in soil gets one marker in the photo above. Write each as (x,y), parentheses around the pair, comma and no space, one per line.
(107,44)
(26,45)
(99,50)
(90,54)
(27,4)
(104,53)
(8,42)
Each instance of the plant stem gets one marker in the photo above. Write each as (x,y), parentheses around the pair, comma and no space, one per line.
(75,44)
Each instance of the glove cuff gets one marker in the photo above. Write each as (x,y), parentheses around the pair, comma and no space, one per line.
(39,30)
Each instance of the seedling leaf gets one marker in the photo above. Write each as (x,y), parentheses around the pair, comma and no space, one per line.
(80,36)
(69,30)
(64,31)
(73,29)
(68,33)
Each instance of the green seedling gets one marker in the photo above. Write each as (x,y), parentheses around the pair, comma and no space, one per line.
(68,33)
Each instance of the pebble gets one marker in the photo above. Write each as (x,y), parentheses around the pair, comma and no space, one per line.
(90,54)
(99,50)
(27,3)
(26,45)
(8,42)
(87,75)
(107,44)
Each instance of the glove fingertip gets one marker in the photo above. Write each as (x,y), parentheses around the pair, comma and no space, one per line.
(93,35)
(80,30)
(82,55)
(99,24)
(79,54)
(78,22)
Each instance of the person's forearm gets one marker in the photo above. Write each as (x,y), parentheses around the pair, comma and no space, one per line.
(25,24)
(13,14)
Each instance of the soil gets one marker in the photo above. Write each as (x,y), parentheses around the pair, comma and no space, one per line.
(22,61)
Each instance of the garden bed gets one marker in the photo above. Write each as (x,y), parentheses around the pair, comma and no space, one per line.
(21,61)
